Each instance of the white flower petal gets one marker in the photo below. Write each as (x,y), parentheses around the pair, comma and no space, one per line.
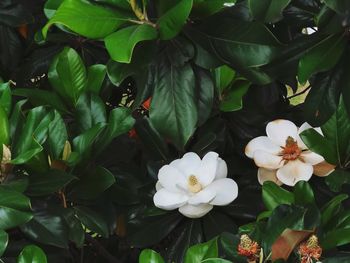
(187,164)
(221,169)
(279,130)
(169,177)
(202,197)
(158,185)
(207,170)
(195,211)
(261,143)
(167,200)
(226,191)
(267,160)
(311,157)
(267,175)
(294,171)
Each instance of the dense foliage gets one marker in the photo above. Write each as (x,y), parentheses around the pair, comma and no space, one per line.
(97,95)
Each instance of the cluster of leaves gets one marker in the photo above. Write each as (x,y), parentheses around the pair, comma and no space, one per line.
(75,77)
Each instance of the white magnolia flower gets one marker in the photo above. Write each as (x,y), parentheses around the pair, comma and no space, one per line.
(194,186)
(282,156)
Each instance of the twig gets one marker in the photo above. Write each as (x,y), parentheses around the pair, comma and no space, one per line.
(299,93)
(101,250)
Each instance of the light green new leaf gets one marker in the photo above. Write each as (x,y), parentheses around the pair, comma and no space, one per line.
(171,22)
(150,256)
(267,10)
(84,18)
(120,44)
(32,254)
(321,57)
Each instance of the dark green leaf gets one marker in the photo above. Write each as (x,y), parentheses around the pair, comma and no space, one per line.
(267,10)
(232,97)
(337,178)
(4,239)
(336,238)
(57,136)
(303,193)
(92,220)
(321,57)
(200,252)
(340,6)
(332,207)
(48,183)
(173,109)
(93,184)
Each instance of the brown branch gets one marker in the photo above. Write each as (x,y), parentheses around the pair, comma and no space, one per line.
(101,250)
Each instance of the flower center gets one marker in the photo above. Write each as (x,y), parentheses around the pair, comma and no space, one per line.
(193,184)
(291,151)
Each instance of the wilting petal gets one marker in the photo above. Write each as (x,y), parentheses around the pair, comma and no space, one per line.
(279,130)
(267,160)
(187,164)
(195,211)
(311,157)
(226,191)
(323,169)
(202,197)
(169,177)
(167,200)
(294,171)
(261,143)
(207,170)
(267,175)
(221,169)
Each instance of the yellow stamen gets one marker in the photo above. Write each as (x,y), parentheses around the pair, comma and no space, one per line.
(193,184)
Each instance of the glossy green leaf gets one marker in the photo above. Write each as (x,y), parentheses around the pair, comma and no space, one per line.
(231,98)
(93,184)
(120,121)
(267,10)
(337,178)
(340,6)
(336,238)
(224,75)
(90,111)
(48,183)
(89,20)
(57,136)
(120,44)
(171,22)
(96,75)
(51,7)
(203,8)
(303,193)
(318,144)
(4,239)
(205,90)
(92,220)
(5,97)
(321,57)
(15,208)
(75,228)
(67,75)
(5,130)
(332,207)
(202,252)
(32,254)
(47,228)
(150,256)
(173,109)
(274,195)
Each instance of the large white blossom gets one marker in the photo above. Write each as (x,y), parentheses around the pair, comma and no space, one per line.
(283,157)
(194,185)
